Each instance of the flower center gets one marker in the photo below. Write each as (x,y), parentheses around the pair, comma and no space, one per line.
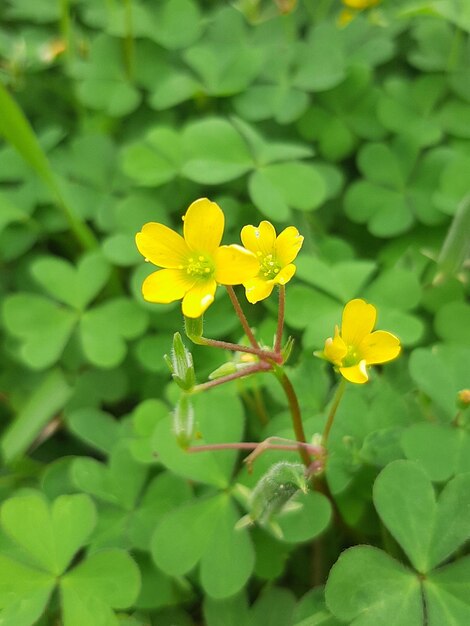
(269,267)
(352,357)
(200,266)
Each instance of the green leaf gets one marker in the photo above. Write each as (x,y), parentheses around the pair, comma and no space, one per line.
(274,607)
(97,428)
(45,402)
(214,152)
(368,587)
(446,327)
(183,535)
(156,159)
(74,287)
(228,560)
(429,531)
(342,280)
(215,425)
(307,522)
(24,593)
(321,63)
(43,327)
(446,596)
(297,185)
(104,330)
(441,372)
(51,535)
(105,580)
(102,82)
(442,451)
(177,24)
(120,483)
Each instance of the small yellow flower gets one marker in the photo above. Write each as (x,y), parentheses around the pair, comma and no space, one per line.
(360,4)
(356,346)
(195,264)
(275,256)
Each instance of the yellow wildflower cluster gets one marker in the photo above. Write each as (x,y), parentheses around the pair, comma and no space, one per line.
(197,262)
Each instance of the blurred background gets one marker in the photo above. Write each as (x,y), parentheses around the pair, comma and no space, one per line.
(349,120)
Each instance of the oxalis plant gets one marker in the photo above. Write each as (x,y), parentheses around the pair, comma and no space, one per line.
(298,467)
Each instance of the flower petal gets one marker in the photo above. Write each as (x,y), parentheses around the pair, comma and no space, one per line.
(358,321)
(380,347)
(204,226)
(285,275)
(166,286)
(199,298)
(234,265)
(161,245)
(258,289)
(356,373)
(288,245)
(261,240)
(335,349)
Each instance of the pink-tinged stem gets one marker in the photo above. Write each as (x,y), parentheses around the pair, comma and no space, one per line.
(242,317)
(211,447)
(267,355)
(295,412)
(280,318)
(246,371)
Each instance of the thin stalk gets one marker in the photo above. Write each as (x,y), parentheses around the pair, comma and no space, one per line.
(266,355)
(129,40)
(334,407)
(280,318)
(65,28)
(242,317)
(247,371)
(247,445)
(295,413)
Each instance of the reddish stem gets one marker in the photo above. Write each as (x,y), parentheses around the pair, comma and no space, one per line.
(246,371)
(242,317)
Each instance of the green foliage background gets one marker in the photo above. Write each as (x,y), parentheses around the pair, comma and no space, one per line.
(359,136)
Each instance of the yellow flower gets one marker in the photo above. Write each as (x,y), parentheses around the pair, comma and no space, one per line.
(356,346)
(275,256)
(360,4)
(195,264)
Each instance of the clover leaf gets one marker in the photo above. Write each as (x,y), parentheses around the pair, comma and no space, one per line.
(48,537)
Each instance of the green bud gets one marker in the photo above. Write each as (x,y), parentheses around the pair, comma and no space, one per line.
(181,364)
(287,349)
(224,370)
(193,328)
(463,399)
(275,489)
(183,421)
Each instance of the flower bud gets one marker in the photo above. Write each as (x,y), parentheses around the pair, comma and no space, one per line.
(224,370)
(463,399)
(183,421)
(275,489)
(181,364)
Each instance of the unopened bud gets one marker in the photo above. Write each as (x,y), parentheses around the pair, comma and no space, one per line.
(463,399)
(183,421)
(224,370)
(181,364)
(275,489)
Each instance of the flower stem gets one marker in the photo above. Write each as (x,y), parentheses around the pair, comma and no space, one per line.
(280,318)
(251,445)
(266,355)
(295,412)
(262,366)
(334,407)
(242,317)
